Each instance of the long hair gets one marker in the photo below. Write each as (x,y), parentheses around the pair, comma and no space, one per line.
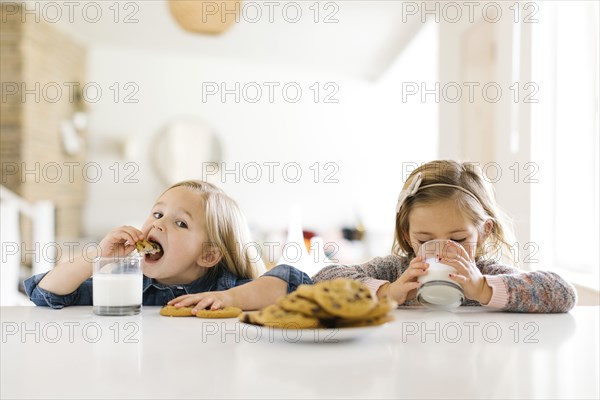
(470,177)
(228,230)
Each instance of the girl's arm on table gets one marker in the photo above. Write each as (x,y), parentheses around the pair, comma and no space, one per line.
(529,292)
(66,277)
(375,273)
(67,283)
(254,295)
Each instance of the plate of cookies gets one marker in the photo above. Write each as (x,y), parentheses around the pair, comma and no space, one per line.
(329,311)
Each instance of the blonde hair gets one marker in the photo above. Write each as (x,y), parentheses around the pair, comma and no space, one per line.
(227,229)
(478,210)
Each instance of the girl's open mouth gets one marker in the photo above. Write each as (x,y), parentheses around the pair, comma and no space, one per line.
(154,257)
(156,253)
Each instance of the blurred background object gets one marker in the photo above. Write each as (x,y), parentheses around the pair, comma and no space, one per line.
(184,147)
(200,16)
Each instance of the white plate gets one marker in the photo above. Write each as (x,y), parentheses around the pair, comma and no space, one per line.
(321,335)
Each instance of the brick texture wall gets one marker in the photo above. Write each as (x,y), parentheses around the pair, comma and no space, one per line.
(38,57)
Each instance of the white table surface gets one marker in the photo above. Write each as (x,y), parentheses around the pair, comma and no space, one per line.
(474,353)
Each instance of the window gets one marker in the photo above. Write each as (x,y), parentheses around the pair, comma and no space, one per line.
(564,138)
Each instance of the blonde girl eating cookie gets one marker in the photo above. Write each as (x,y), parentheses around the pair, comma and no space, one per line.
(452,201)
(203,259)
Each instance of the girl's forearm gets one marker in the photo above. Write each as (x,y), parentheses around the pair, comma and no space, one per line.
(66,277)
(258,293)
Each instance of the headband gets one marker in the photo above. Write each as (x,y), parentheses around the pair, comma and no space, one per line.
(415,186)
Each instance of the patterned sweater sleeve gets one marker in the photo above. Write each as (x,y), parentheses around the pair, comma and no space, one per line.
(374,273)
(530,292)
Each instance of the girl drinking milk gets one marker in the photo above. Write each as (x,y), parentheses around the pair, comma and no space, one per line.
(451,201)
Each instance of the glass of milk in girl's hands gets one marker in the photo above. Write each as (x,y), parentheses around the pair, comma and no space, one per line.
(117,285)
(437,290)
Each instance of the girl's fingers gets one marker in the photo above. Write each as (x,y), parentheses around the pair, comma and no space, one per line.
(124,238)
(418,265)
(416,260)
(134,233)
(217,305)
(186,301)
(121,237)
(415,273)
(462,252)
(459,263)
(199,301)
(458,278)
(203,304)
(127,233)
(408,286)
(177,299)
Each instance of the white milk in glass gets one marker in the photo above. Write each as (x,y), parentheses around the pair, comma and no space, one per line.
(117,290)
(437,290)
(437,271)
(117,286)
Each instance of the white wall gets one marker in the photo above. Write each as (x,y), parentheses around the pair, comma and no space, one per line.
(368,134)
(495,152)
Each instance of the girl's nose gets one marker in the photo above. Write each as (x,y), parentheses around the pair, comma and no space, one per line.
(156,225)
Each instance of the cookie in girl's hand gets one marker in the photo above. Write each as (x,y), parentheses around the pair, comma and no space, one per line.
(146,247)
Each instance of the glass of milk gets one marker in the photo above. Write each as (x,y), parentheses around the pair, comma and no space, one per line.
(437,290)
(117,285)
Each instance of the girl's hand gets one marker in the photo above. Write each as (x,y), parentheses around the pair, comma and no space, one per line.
(120,241)
(468,275)
(202,301)
(405,287)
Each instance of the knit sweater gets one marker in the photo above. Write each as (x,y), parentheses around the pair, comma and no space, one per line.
(512,290)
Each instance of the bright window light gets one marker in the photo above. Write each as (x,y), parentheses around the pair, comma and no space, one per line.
(565,142)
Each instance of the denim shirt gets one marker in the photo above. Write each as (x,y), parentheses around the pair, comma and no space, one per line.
(157,294)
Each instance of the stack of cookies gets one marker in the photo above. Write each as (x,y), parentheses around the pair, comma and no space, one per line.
(338,303)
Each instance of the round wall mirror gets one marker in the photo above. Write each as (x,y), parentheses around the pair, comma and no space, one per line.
(185,148)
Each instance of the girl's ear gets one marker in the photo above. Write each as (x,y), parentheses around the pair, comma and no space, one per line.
(486,231)
(210,255)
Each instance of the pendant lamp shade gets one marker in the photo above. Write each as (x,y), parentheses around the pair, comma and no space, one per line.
(208,17)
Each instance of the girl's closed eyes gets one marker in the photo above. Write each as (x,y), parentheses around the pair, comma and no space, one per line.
(449,200)
(421,241)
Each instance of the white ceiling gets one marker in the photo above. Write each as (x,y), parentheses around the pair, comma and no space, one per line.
(367,38)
